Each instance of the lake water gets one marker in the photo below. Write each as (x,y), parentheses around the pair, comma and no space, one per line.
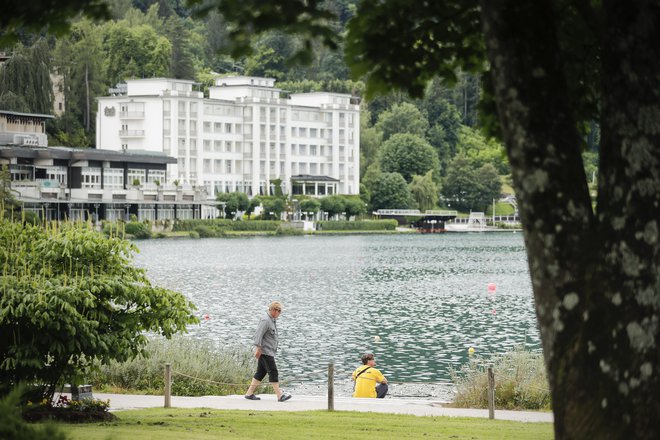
(419,302)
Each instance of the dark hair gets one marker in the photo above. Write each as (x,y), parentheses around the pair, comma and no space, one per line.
(367,357)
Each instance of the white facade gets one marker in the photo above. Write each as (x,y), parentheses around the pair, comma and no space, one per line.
(240,138)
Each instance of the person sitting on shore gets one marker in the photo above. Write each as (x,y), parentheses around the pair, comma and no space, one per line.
(369,381)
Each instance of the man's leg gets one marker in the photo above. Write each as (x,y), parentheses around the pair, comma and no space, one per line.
(381,390)
(253,386)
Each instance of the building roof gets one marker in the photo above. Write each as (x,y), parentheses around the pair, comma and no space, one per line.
(30,115)
(310,178)
(85,154)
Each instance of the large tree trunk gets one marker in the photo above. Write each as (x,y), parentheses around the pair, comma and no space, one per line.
(595,277)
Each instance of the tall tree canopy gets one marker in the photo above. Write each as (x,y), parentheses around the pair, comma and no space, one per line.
(552,67)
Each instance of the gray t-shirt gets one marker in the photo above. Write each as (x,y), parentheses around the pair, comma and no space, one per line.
(266,335)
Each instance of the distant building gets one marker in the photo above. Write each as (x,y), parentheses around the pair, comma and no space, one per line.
(247,136)
(80,183)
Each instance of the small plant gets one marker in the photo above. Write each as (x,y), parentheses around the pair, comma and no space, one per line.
(136,182)
(207,370)
(520,382)
(13,425)
(176,183)
(157,182)
(68,410)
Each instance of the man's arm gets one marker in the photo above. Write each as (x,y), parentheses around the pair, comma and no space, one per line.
(259,337)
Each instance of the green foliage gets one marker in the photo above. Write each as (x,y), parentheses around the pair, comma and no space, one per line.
(27,74)
(354,206)
(205,231)
(407,155)
(221,225)
(287,229)
(402,118)
(390,191)
(135,52)
(234,202)
(17,17)
(482,151)
(390,58)
(193,357)
(424,191)
(138,229)
(333,205)
(520,377)
(273,207)
(467,187)
(80,59)
(310,205)
(70,296)
(14,427)
(358,225)
(8,202)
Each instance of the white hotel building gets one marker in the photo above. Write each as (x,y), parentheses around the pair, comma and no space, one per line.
(246,136)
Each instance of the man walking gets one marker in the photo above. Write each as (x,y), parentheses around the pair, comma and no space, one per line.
(265,341)
(369,382)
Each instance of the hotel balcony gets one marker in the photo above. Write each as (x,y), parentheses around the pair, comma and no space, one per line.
(131,115)
(131,133)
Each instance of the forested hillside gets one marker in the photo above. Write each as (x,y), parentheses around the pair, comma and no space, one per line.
(412,150)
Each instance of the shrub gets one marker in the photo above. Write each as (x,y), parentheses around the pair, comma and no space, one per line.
(361,225)
(193,234)
(520,382)
(285,229)
(69,295)
(138,229)
(13,426)
(196,358)
(205,231)
(227,225)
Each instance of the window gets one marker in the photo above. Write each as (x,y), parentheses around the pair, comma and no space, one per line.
(228,164)
(113,178)
(91,177)
(207,127)
(217,146)
(134,174)
(156,175)
(312,150)
(227,128)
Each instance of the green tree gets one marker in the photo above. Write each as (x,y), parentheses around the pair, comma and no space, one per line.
(491,185)
(310,205)
(354,206)
(273,207)
(407,154)
(461,187)
(424,190)
(13,102)
(333,205)
(27,74)
(402,118)
(233,203)
(135,52)
(70,297)
(80,60)
(482,151)
(370,141)
(8,202)
(182,63)
(391,192)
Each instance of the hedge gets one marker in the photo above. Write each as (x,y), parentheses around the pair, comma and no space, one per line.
(220,225)
(358,225)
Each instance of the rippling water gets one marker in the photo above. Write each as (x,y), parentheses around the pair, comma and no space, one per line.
(417,301)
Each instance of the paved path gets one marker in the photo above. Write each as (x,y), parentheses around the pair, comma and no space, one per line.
(268,402)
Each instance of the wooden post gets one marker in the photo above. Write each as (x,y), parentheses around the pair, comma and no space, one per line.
(331,387)
(168,385)
(491,393)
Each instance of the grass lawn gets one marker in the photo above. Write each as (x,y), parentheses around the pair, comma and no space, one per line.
(177,424)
